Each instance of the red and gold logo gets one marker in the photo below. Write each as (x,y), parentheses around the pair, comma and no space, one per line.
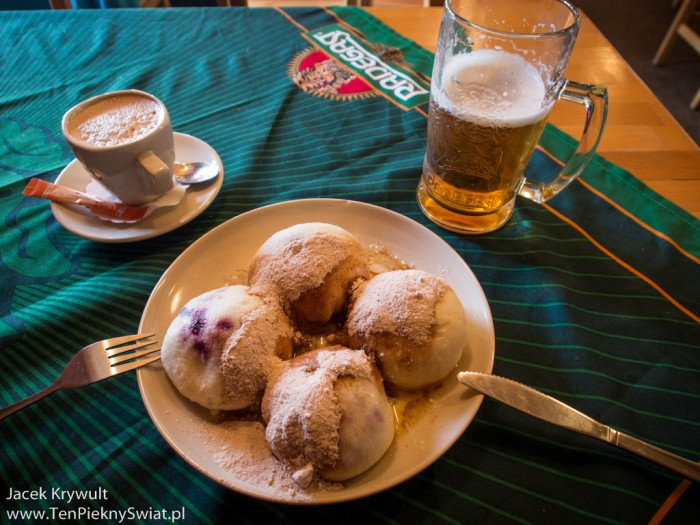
(318,74)
(341,65)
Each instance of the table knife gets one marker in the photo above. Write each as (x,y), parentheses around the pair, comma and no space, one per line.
(553,411)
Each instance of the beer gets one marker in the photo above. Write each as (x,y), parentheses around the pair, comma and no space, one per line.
(484,123)
(498,70)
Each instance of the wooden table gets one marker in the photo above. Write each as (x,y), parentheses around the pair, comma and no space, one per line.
(641,135)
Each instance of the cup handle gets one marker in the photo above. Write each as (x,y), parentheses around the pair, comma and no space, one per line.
(158,178)
(595,99)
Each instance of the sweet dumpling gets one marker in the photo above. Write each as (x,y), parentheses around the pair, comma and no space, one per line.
(221,346)
(311,267)
(327,414)
(413,322)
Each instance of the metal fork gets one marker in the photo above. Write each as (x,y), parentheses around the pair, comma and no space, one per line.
(96,362)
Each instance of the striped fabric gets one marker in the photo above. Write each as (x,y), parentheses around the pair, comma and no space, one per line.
(595,295)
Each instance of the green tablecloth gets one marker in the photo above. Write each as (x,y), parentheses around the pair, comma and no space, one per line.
(595,296)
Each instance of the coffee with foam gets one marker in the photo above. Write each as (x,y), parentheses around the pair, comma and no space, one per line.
(116,120)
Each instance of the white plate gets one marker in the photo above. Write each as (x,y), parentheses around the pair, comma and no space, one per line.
(219,256)
(78,220)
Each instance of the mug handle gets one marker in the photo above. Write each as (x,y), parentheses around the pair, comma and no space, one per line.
(158,178)
(595,99)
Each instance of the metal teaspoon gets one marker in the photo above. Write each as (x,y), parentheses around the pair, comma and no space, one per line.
(195,172)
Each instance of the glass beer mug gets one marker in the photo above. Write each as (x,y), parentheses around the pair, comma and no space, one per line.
(499,68)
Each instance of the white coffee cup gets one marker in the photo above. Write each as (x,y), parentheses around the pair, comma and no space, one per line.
(125,141)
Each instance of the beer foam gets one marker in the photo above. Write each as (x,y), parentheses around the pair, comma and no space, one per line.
(494,88)
(116,120)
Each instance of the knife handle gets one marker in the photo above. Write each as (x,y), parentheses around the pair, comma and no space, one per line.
(677,464)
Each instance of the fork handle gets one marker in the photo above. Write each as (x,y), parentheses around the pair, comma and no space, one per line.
(11,409)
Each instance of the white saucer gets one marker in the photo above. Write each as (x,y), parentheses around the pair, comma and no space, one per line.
(78,220)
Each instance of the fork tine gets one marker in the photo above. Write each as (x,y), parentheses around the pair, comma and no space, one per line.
(132,355)
(116,341)
(93,363)
(111,352)
(134,364)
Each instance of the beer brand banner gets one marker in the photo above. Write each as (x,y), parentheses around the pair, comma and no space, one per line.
(373,67)
(595,296)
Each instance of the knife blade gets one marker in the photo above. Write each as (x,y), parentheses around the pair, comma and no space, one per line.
(553,411)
